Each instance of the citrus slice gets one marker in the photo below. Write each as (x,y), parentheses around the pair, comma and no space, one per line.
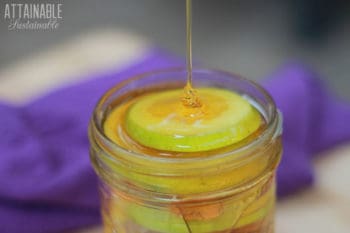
(161,121)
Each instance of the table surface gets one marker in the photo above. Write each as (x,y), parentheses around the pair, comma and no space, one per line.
(323,208)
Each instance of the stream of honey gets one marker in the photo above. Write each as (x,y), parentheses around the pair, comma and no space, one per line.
(190,98)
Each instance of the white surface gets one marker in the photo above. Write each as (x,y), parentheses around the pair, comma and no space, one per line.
(69,62)
(325,208)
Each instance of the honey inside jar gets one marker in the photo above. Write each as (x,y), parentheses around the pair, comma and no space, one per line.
(250,209)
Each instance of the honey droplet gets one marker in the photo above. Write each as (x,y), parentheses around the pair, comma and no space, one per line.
(190,97)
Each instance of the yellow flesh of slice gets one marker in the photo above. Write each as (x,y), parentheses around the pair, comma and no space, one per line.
(160,120)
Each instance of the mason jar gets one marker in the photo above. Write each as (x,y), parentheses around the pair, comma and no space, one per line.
(219,191)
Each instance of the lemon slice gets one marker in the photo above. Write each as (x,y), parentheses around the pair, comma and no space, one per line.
(160,120)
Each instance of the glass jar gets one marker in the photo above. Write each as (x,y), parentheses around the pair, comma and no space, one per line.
(232,191)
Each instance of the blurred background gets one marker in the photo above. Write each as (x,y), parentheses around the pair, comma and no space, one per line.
(248,37)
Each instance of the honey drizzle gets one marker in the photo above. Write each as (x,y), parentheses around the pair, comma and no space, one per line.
(190,97)
(189,41)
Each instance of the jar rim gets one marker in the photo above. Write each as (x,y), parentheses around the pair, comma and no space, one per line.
(272,130)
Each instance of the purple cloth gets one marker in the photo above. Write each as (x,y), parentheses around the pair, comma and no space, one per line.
(46,180)
(314,121)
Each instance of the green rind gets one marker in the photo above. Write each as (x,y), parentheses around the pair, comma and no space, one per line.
(235,124)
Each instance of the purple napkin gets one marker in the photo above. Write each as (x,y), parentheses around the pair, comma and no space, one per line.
(47,184)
